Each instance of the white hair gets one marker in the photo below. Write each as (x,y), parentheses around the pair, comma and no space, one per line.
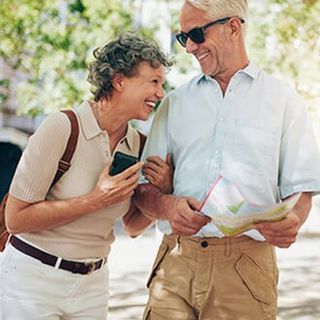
(217,9)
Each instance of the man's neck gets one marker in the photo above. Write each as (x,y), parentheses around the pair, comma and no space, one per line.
(225,78)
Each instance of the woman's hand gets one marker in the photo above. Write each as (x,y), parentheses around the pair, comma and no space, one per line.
(159,172)
(112,189)
(23,216)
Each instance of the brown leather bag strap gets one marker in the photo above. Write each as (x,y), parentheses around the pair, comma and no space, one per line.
(64,163)
(142,143)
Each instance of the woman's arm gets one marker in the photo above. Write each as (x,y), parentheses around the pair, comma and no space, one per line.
(23,216)
(160,174)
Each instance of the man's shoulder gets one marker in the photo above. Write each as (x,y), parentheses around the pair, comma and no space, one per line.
(281,91)
(274,82)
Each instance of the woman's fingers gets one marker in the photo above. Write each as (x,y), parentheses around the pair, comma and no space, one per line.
(151,173)
(155,160)
(159,172)
(129,171)
(169,161)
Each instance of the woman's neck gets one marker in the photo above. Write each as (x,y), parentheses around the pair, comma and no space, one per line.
(110,120)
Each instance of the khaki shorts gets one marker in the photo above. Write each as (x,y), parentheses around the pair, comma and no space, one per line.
(213,279)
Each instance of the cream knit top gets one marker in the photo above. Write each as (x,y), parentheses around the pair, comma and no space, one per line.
(91,235)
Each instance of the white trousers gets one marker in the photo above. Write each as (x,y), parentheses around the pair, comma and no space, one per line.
(31,290)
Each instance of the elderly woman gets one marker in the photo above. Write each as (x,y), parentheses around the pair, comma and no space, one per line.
(72,223)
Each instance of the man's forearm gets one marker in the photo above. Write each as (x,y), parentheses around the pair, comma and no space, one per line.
(153,203)
(303,206)
(135,222)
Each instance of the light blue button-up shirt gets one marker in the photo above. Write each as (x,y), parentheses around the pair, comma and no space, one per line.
(257,135)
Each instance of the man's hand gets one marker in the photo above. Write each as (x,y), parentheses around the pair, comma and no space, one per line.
(185,218)
(281,233)
(183,213)
(284,233)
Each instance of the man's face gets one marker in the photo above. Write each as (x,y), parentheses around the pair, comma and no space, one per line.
(215,52)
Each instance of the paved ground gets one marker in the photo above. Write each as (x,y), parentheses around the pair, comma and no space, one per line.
(299,288)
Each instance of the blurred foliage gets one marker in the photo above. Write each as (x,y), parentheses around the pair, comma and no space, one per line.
(284,39)
(4,90)
(183,60)
(50,42)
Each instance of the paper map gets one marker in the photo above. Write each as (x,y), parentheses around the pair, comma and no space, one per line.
(233,215)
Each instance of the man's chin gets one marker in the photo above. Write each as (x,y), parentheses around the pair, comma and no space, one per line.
(205,70)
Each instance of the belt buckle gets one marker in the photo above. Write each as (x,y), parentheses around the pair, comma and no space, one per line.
(91,266)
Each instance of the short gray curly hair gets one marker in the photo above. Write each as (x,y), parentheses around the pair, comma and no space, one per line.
(122,56)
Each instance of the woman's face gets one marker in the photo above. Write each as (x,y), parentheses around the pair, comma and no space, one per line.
(142,91)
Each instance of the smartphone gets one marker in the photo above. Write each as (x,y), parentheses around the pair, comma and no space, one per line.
(121,162)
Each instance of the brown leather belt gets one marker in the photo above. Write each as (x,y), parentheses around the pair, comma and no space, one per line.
(51,260)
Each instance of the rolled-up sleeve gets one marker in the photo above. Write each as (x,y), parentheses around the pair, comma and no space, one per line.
(299,156)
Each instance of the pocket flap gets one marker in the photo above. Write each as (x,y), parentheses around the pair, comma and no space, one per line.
(256,279)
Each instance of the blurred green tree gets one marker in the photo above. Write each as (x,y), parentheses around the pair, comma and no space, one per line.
(51,40)
(284,38)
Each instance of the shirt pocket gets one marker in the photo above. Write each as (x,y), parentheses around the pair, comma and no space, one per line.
(255,146)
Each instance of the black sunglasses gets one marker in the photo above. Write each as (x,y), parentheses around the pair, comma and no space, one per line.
(197,34)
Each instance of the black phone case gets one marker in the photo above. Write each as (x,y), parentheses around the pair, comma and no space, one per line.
(121,161)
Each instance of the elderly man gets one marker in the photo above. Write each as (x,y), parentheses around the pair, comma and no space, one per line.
(236,121)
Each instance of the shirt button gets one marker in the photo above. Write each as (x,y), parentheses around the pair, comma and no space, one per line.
(204,244)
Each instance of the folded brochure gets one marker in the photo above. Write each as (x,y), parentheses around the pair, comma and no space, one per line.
(233,215)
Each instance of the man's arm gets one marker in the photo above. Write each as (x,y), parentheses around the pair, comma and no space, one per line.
(135,222)
(160,174)
(284,233)
(181,212)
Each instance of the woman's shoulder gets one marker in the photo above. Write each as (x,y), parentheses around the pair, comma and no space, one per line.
(53,132)
(55,123)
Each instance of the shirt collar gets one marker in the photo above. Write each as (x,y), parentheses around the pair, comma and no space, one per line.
(91,129)
(129,137)
(88,122)
(251,70)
